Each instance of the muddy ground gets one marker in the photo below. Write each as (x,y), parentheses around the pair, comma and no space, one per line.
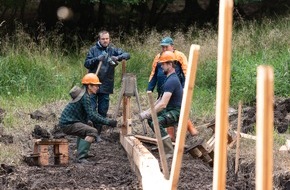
(110,167)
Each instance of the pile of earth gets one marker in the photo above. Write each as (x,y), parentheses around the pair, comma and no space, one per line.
(248,120)
(110,167)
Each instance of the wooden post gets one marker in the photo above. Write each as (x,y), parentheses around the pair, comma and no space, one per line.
(158,136)
(264,142)
(123,67)
(184,115)
(126,128)
(238,138)
(222,97)
(126,104)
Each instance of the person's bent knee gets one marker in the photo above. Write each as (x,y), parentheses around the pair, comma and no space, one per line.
(90,139)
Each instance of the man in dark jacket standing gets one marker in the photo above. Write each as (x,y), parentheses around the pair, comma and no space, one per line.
(103,58)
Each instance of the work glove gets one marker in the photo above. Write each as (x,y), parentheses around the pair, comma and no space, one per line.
(113,123)
(115,58)
(101,57)
(145,115)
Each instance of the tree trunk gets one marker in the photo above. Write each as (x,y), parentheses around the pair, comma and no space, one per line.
(101,14)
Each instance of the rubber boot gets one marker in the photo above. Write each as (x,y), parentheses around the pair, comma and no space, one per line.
(168,148)
(78,142)
(171,132)
(83,149)
(88,155)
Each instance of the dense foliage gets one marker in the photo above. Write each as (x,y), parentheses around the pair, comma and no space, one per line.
(126,16)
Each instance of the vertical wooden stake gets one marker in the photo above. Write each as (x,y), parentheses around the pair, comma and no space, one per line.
(264,143)
(184,114)
(238,138)
(123,68)
(158,136)
(222,97)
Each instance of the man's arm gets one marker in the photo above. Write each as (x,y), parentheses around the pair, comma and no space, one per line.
(159,105)
(162,103)
(153,75)
(94,116)
(91,60)
(120,54)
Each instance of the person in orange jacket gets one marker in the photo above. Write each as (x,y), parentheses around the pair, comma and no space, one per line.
(157,77)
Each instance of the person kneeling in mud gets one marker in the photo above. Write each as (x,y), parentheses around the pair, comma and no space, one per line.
(74,117)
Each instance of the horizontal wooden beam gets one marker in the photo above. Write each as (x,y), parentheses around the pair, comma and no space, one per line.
(145,164)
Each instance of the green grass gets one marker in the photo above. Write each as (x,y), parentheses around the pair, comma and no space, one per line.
(44,72)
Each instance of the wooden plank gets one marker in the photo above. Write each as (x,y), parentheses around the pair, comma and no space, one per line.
(158,136)
(246,136)
(184,115)
(145,164)
(265,125)
(222,95)
(148,139)
(50,141)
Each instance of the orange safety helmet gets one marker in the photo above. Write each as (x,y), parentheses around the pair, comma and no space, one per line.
(167,56)
(91,78)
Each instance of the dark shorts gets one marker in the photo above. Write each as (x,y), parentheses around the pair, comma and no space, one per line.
(166,118)
(79,129)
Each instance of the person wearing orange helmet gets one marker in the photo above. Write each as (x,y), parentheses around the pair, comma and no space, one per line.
(168,105)
(74,117)
(157,77)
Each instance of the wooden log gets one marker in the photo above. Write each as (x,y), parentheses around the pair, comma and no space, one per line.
(246,136)
(144,164)
(265,125)
(222,95)
(149,140)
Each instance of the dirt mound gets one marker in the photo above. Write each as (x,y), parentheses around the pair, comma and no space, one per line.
(281,117)
(110,167)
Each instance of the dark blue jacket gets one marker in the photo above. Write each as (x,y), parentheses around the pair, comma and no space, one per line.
(107,71)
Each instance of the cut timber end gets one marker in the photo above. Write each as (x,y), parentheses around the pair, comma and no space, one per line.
(41,154)
(145,164)
(201,150)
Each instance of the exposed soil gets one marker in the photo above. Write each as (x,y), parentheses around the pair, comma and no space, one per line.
(110,167)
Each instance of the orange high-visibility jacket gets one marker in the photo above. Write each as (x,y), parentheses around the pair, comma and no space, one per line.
(158,77)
